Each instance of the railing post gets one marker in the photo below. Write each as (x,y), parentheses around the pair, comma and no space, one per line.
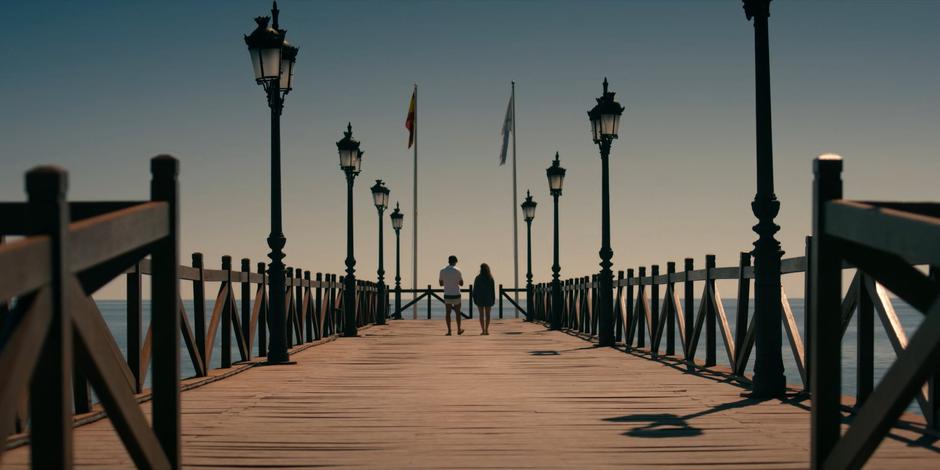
(165,319)
(631,314)
(826,292)
(741,311)
(689,310)
(134,324)
(711,340)
(670,311)
(641,315)
(246,305)
(227,310)
(618,311)
(429,301)
(933,383)
(288,318)
(298,305)
(199,309)
(865,342)
(263,314)
(470,294)
(318,309)
(654,311)
(807,306)
(500,301)
(310,311)
(50,397)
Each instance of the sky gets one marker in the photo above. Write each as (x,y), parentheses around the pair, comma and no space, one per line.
(99,87)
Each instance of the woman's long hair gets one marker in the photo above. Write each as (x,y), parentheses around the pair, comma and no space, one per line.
(485,271)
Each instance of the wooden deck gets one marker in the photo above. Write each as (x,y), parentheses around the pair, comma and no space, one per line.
(405,396)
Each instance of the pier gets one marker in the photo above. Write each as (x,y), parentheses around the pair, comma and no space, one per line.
(402,395)
(232,362)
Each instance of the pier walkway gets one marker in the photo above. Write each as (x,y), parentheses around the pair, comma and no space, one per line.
(404,395)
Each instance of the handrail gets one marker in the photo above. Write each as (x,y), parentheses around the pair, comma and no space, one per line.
(70,250)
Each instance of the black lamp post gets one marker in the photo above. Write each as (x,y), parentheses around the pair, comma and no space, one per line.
(556,177)
(769,380)
(350,160)
(380,197)
(605,119)
(528,213)
(398,219)
(272,59)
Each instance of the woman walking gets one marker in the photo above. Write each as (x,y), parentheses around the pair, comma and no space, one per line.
(484,296)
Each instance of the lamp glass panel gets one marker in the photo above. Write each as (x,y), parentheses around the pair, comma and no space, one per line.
(596,128)
(555,182)
(256,62)
(270,62)
(346,157)
(397,222)
(287,75)
(529,212)
(609,124)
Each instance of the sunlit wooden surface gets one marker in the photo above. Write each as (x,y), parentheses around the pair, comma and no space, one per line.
(405,396)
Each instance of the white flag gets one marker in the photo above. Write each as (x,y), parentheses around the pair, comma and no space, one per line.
(508,126)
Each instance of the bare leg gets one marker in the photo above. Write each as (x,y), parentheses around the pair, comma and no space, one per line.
(487,327)
(447,317)
(482,320)
(457,315)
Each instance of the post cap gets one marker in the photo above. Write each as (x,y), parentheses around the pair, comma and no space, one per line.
(46,183)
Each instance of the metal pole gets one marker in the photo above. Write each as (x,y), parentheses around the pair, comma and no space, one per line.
(769,380)
(555,319)
(349,294)
(397,274)
(380,286)
(515,208)
(414,217)
(529,302)
(277,351)
(605,336)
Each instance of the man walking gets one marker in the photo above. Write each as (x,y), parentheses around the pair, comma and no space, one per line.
(451,279)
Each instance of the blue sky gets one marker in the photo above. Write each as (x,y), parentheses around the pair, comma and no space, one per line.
(98,87)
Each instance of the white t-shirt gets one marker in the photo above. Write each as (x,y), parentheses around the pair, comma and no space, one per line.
(451,277)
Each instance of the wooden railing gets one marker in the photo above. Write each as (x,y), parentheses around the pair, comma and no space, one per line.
(69,251)
(54,327)
(650,306)
(430,294)
(885,240)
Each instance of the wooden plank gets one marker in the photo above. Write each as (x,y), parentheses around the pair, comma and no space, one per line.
(793,336)
(105,370)
(19,356)
(97,239)
(548,399)
(906,234)
(715,298)
(902,382)
(25,265)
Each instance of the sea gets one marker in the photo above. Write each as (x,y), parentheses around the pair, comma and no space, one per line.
(115,315)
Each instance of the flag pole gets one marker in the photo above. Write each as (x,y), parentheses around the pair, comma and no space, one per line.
(515,207)
(414,211)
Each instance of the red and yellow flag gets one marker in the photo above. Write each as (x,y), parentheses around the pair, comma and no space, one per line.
(410,120)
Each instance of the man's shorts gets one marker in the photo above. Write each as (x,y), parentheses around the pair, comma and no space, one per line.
(452,299)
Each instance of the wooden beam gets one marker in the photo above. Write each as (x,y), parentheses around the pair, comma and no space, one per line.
(906,234)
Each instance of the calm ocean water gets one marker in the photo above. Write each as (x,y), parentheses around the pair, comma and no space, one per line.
(114,312)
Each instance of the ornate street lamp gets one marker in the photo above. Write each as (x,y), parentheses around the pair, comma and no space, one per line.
(398,219)
(272,60)
(528,213)
(380,197)
(556,178)
(350,160)
(605,120)
(769,381)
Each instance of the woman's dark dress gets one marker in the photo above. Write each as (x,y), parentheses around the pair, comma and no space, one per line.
(484,294)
